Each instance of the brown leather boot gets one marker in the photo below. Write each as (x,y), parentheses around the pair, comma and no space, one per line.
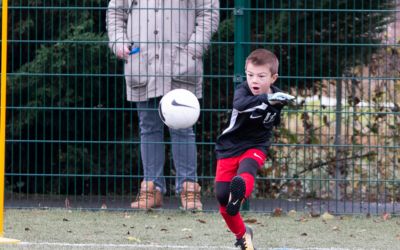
(190,196)
(148,197)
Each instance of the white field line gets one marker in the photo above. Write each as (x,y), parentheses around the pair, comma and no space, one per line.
(153,246)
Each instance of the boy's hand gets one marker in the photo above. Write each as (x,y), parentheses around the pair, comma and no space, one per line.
(280,98)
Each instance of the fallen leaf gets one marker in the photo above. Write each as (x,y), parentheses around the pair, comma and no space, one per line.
(131,238)
(201,221)
(65,219)
(335,228)
(164,230)
(386,216)
(277,212)
(314,215)
(292,213)
(302,219)
(327,216)
(303,234)
(250,221)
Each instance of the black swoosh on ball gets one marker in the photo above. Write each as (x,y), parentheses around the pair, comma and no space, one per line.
(175,103)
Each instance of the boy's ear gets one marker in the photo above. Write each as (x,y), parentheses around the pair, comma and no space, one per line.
(274,77)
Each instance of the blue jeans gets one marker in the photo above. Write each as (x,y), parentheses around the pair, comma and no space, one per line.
(184,152)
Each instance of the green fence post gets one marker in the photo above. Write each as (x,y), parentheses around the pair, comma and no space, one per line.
(242,37)
(242,47)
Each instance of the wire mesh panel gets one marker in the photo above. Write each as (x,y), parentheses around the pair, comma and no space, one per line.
(73,132)
(338,148)
(64,118)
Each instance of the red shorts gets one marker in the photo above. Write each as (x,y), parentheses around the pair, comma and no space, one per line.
(227,167)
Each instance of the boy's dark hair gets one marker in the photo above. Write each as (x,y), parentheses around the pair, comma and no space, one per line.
(264,57)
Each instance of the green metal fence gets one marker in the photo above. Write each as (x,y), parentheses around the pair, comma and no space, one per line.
(73,140)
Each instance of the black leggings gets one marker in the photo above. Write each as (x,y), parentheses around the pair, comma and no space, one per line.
(222,190)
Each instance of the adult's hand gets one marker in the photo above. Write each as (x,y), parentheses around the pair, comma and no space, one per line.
(122,51)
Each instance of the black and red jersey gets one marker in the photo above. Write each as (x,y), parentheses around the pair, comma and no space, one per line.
(251,123)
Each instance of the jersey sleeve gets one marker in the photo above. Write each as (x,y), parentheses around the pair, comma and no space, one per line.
(244,99)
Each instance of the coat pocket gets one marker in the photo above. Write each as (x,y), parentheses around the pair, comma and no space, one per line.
(136,70)
(186,67)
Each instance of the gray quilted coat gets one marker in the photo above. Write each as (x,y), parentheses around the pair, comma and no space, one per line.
(172,35)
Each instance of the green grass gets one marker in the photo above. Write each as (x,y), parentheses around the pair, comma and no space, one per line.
(149,230)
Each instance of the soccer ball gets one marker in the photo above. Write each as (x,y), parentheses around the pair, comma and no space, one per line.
(179,109)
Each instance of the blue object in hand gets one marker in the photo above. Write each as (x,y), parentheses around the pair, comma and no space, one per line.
(134,50)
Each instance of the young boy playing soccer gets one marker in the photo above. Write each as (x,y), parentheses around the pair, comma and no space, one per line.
(241,148)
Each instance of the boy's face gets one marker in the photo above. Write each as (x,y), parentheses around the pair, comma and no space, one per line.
(259,78)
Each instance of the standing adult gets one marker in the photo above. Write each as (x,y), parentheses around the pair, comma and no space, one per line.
(162,43)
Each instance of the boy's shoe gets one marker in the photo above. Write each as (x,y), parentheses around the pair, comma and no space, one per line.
(236,196)
(148,197)
(246,242)
(190,196)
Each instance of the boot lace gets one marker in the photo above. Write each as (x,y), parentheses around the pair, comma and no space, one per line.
(144,196)
(191,196)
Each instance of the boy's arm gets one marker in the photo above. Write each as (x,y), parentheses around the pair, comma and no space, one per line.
(242,100)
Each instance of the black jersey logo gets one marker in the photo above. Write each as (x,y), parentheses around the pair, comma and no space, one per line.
(252,116)
(269,119)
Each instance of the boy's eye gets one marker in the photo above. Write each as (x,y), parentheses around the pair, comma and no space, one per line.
(261,77)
